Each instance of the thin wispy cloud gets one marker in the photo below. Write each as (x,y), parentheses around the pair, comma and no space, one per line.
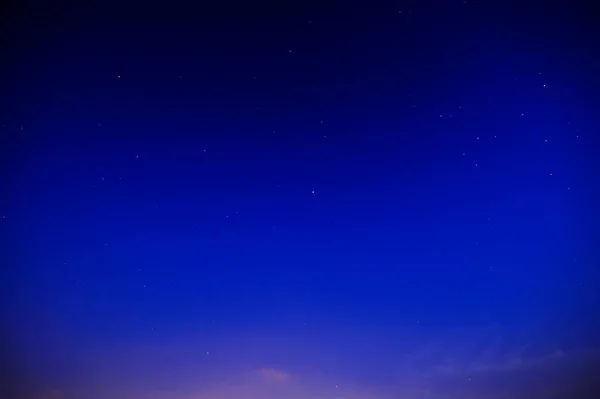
(273,375)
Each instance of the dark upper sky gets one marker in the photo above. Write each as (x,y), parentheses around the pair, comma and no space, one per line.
(299,200)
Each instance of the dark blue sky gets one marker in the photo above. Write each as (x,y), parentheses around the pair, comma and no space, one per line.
(338,199)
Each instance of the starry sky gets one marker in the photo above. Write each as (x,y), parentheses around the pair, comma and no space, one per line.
(293,200)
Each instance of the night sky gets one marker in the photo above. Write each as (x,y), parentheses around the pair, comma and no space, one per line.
(299,200)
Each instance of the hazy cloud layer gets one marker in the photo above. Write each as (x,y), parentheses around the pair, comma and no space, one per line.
(475,362)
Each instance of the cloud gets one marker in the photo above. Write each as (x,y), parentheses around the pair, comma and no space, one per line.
(273,375)
(474,362)
(495,365)
(272,383)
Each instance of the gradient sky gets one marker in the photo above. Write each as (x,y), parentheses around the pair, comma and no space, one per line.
(317,200)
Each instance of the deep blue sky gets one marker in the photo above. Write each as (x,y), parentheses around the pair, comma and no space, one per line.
(351,199)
